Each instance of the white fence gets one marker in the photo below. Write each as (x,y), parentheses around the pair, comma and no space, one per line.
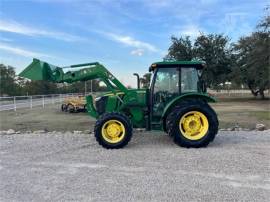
(19,102)
(234,93)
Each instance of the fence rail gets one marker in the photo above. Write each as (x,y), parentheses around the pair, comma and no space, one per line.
(19,102)
(234,93)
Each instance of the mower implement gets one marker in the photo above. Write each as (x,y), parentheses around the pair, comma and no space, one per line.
(74,104)
(176,102)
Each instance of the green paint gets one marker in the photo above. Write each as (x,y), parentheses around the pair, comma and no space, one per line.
(90,107)
(178,63)
(175,101)
(39,70)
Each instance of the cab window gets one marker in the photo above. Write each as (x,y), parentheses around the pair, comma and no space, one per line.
(189,80)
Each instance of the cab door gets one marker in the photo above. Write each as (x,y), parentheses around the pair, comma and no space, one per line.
(164,88)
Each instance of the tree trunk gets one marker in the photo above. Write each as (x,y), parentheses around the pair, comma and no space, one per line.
(262,94)
(254,92)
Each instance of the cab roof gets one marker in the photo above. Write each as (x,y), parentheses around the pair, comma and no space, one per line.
(186,64)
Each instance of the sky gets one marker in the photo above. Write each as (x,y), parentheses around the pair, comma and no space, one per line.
(126,36)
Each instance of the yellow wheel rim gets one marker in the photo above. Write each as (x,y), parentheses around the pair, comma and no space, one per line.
(113,131)
(194,125)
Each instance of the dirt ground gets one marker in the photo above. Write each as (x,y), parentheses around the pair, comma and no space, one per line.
(245,112)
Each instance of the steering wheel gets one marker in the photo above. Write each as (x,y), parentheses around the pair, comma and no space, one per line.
(162,96)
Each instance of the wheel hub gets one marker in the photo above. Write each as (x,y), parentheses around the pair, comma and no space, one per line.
(194,125)
(113,131)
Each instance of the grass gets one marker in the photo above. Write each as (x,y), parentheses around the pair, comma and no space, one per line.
(50,118)
(263,115)
(245,112)
(241,99)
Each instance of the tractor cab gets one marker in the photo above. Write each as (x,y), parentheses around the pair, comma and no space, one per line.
(172,79)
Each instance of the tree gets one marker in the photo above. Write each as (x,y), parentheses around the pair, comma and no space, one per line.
(215,51)
(181,49)
(264,25)
(82,86)
(253,59)
(212,49)
(12,85)
(8,85)
(145,80)
(40,88)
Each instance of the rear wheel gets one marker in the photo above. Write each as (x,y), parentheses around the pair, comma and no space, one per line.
(113,130)
(192,124)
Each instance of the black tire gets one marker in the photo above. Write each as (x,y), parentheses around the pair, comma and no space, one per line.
(84,108)
(70,108)
(170,120)
(63,107)
(173,119)
(113,116)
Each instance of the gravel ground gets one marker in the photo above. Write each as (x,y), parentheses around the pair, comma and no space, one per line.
(61,167)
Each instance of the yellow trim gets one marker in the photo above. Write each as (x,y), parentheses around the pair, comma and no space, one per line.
(194,125)
(113,131)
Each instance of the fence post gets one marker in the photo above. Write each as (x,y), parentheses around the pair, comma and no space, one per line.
(14,102)
(31,102)
(43,101)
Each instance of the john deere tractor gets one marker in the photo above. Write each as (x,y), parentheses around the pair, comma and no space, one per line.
(176,102)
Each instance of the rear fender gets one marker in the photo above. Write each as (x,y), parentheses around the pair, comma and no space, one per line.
(175,101)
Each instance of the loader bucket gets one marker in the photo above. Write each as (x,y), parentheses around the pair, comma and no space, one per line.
(39,70)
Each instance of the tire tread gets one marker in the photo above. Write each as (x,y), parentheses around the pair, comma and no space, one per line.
(172,123)
(113,115)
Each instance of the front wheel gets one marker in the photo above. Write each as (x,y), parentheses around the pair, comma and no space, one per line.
(63,107)
(113,130)
(193,124)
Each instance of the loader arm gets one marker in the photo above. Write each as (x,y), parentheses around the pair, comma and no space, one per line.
(39,70)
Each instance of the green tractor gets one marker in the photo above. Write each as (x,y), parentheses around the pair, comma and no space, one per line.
(176,102)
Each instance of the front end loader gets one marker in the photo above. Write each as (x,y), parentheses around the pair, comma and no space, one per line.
(176,102)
